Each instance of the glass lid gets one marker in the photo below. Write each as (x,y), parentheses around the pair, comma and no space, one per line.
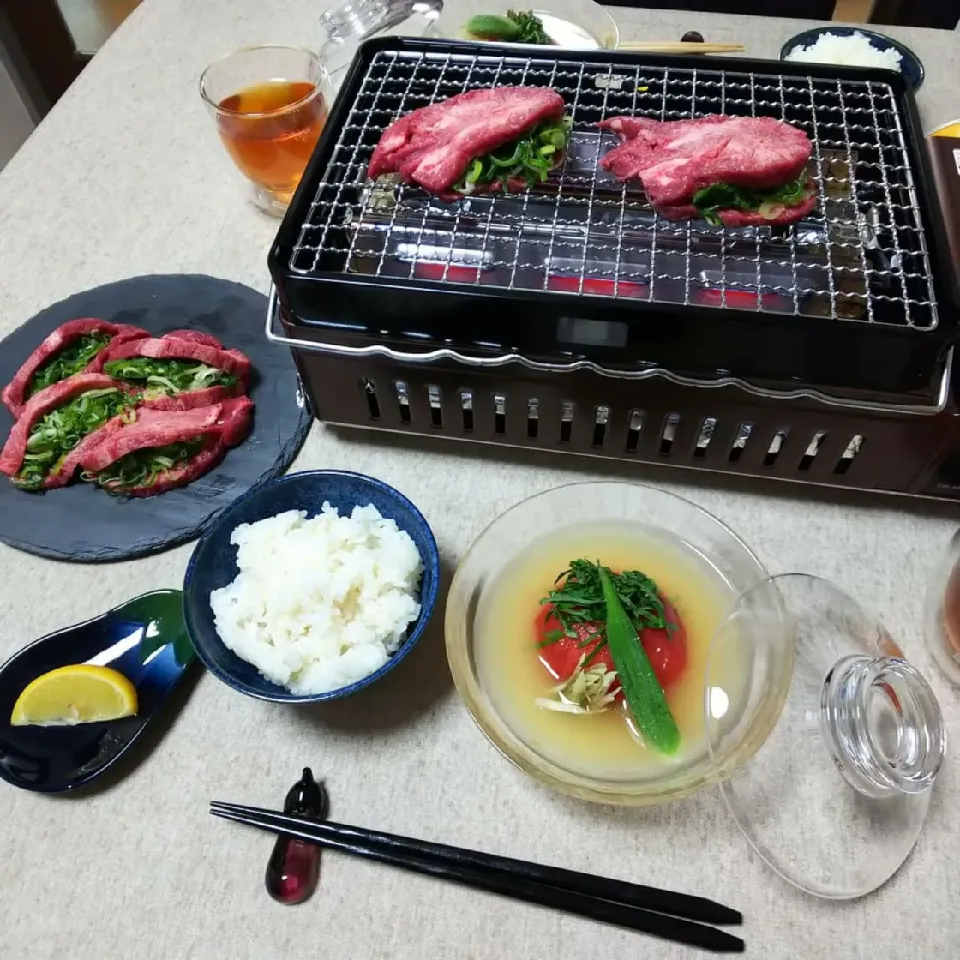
(835,740)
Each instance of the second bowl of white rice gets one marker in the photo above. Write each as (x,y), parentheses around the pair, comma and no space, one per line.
(853,47)
(311,586)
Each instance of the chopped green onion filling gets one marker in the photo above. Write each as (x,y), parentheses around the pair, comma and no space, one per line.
(168,377)
(141,468)
(73,358)
(530,159)
(768,203)
(59,431)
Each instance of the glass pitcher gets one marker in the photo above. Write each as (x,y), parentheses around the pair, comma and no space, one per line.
(349,24)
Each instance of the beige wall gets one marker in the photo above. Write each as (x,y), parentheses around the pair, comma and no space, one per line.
(16,117)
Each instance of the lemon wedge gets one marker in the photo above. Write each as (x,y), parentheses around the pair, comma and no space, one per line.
(79,693)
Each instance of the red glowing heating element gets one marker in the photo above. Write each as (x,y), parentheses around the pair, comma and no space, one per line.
(449,272)
(597,285)
(741,300)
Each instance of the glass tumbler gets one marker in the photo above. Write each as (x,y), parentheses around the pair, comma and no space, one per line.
(270,105)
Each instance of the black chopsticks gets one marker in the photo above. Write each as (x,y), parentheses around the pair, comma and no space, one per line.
(661,913)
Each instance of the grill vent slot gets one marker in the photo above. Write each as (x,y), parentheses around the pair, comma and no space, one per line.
(669,433)
(816,442)
(601,414)
(707,427)
(533,418)
(567,410)
(436,406)
(403,399)
(849,455)
(776,445)
(500,413)
(634,429)
(744,431)
(370,392)
(466,408)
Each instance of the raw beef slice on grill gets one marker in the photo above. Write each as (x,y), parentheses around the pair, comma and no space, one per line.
(433,146)
(15,393)
(675,159)
(187,345)
(220,426)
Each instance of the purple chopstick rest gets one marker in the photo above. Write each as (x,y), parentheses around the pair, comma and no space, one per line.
(294,865)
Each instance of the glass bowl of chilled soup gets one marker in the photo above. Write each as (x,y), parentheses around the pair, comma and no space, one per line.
(579,627)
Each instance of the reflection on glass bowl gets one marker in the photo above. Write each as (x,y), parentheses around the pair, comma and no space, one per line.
(698,563)
(942,612)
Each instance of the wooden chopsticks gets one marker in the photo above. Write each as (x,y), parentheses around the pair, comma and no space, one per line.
(660,913)
(679,46)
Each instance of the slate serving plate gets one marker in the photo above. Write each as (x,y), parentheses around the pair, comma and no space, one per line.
(63,758)
(82,523)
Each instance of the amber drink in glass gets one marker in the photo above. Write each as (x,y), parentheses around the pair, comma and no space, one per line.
(270,104)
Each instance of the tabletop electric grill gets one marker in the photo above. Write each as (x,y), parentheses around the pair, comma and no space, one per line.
(571,317)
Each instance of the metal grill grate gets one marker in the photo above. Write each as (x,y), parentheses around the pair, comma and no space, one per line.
(862,256)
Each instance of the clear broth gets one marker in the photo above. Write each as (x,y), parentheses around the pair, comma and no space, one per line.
(601,745)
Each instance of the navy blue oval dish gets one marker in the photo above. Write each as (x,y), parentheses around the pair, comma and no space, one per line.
(911,66)
(144,639)
(214,564)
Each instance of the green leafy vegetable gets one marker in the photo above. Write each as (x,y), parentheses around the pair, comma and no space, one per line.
(531,159)
(641,689)
(769,203)
(144,467)
(579,598)
(57,433)
(68,361)
(531,28)
(515,27)
(168,376)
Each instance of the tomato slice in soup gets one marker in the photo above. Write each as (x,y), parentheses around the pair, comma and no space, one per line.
(666,649)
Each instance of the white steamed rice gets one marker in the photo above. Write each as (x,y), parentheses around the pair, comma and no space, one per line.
(855,50)
(319,603)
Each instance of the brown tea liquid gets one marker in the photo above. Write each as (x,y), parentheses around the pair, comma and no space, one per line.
(270,130)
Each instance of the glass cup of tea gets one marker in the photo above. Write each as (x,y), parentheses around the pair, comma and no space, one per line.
(270,104)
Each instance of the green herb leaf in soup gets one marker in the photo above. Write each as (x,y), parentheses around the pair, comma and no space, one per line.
(515,27)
